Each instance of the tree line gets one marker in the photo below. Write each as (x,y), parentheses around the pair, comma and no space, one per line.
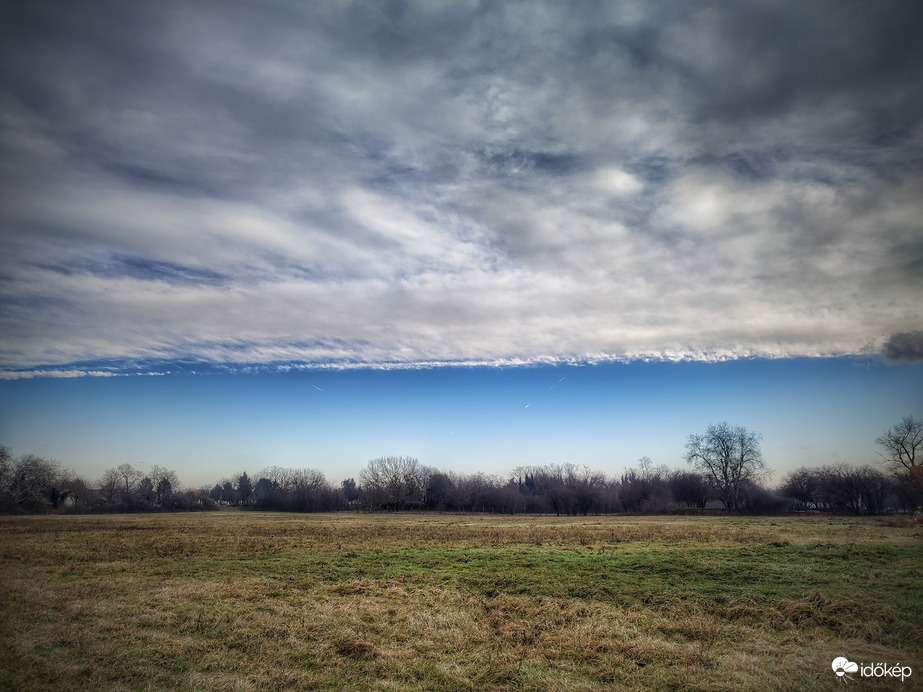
(725,468)
(31,483)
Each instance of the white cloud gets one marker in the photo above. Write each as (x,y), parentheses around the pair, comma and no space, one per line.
(67,374)
(615,181)
(527,184)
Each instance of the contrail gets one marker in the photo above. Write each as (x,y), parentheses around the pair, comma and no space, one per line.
(317,388)
(563,378)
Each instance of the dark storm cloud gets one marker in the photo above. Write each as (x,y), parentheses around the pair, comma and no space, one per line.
(461,182)
(904,347)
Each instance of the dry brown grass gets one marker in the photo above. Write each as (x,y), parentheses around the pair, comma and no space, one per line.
(241,601)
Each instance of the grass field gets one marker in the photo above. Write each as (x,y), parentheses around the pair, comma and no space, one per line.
(249,601)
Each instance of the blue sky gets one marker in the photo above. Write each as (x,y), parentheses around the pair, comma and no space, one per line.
(208,426)
(218,201)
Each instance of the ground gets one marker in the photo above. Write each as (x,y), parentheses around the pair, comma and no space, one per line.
(258,601)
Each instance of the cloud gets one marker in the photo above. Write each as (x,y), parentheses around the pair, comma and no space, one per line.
(32,374)
(342,185)
(904,347)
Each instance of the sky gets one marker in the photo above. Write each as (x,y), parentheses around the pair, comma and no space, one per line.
(236,233)
(486,419)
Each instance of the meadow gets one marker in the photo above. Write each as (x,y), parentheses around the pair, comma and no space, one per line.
(237,600)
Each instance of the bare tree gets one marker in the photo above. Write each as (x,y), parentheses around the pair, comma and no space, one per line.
(644,488)
(165,483)
(587,486)
(270,487)
(6,477)
(438,488)
(511,499)
(634,490)
(129,477)
(308,490)
(802,486)
(552,480)
(902,456)
(109,486)
(72,487)
(874,488)
(34,481)
(730,458)
(6,462)
(394,482)
(484,491)
(841,488)
(689,489)
(461,493)
(903,446)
